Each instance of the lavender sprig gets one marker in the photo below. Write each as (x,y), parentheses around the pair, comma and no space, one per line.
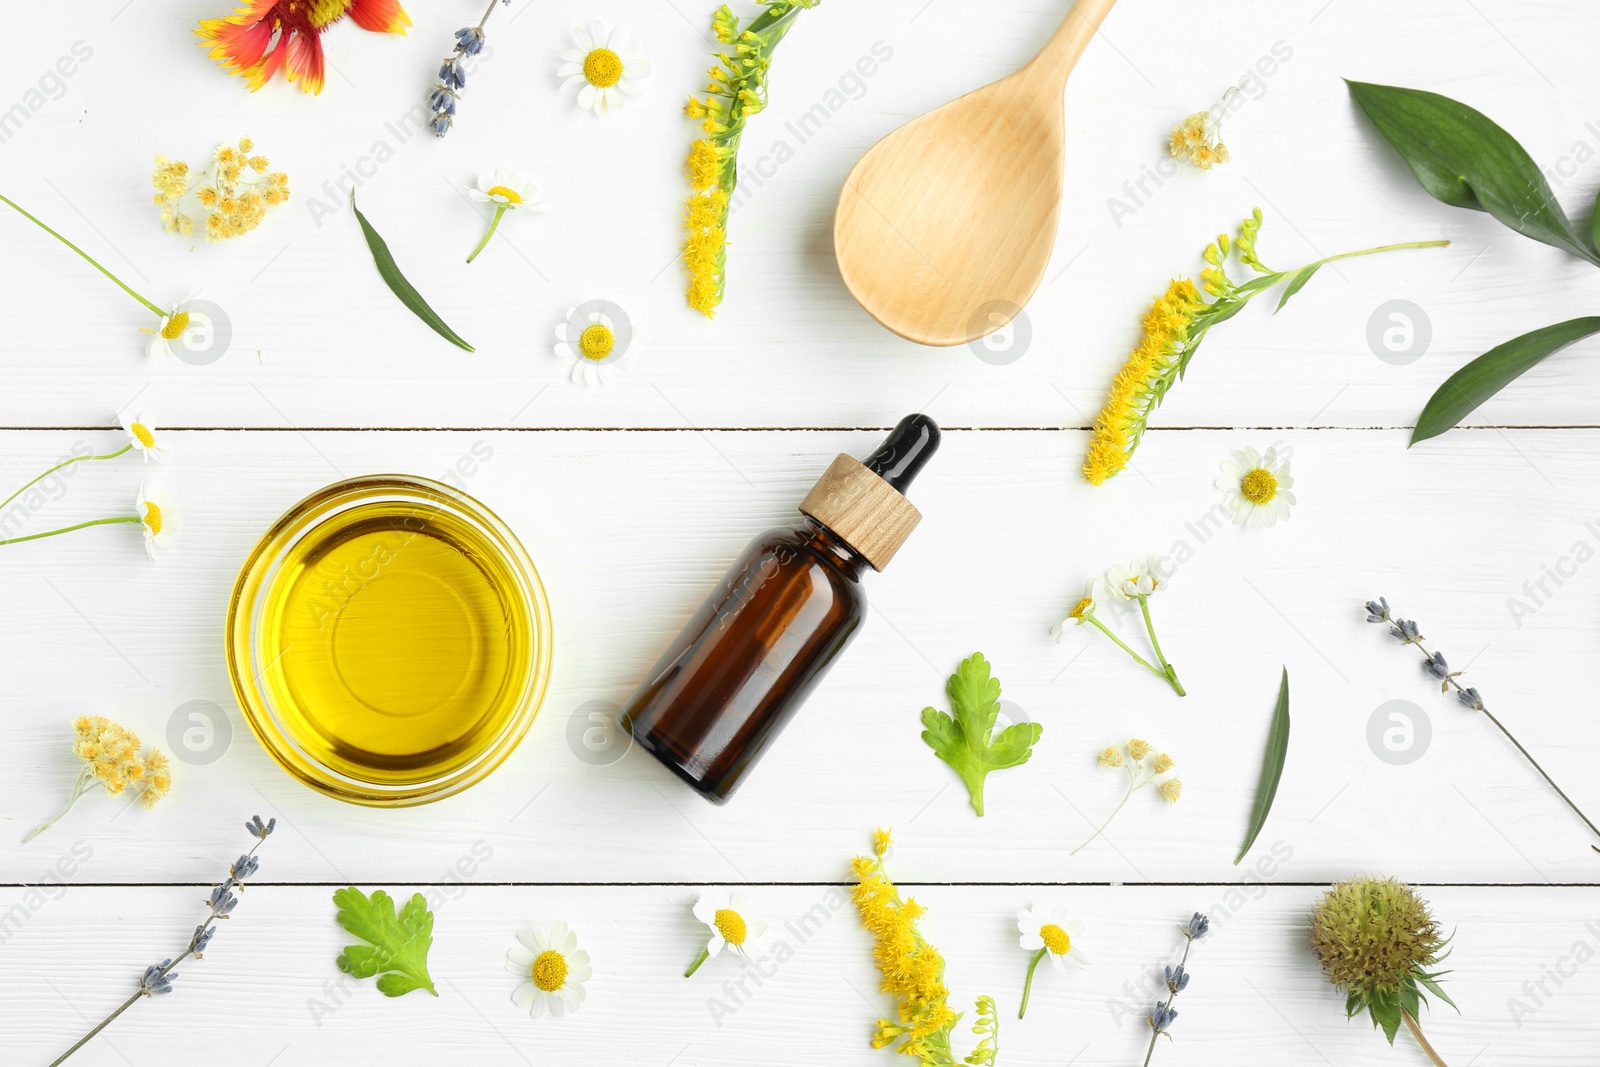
(158,977)
(1407,632)
(1163,1014)
(446,93)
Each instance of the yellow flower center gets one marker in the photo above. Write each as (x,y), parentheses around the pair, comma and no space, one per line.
(602,67)
(1083,606)
(1055,939)
(550,971)
(511,196)
(730,924)
(152,518)
(1259,486)
(175,326)
(142,434)
(596,342)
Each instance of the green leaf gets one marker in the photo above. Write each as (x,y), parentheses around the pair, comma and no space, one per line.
(1431,982)
(1464,159)
(1297,283)
(1385,1011)
(397,944)
(390,272)
(1271,767)
(966,740)
(1491,372)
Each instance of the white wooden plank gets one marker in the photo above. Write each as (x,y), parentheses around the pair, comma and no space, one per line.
(631,529)
(270,974)
(319,342)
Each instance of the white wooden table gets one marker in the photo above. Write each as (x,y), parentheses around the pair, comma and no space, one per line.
(632,499)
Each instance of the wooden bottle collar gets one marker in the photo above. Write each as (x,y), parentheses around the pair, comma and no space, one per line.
(869,514)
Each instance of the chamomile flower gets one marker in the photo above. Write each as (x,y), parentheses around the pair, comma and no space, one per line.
(553,969)
(598,338)
(732,926)
(184,325)
(142,435)
(507,192)
(606,63)
(158,518)
(1255,487)
(1048,933)
(1082,612)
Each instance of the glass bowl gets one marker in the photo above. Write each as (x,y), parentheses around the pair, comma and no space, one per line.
(389,641)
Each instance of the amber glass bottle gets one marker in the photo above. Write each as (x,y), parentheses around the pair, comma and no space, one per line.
(787,607)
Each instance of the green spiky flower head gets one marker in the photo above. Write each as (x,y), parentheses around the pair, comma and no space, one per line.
(1377,940)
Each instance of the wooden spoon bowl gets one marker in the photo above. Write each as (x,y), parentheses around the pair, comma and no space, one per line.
(944,227)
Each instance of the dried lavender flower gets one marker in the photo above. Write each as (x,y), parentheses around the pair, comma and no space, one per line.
(444,96)
(1405,631)
(1162,1015)
(158,977)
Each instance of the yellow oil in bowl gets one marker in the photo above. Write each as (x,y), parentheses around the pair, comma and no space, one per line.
(389,640)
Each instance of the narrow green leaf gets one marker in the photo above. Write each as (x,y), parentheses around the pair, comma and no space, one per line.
(1594,224)
(1491,372)
(1432,983)
(390,272)
(1464,159)
(1296,283)
(1271,767)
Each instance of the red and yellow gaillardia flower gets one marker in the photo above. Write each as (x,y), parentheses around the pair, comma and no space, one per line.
(264,36)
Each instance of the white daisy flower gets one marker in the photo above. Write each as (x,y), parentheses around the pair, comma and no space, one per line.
(1051,933)
(1255,487)
(731,925)
(158,518)
(173,333)
(142,436)
(553,969)
(507,189)
(608,66)
(598,338)
(1080,612)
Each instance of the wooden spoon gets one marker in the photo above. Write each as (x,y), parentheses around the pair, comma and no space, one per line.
(945,226)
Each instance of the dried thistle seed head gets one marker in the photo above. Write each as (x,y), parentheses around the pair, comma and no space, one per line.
(1371,934)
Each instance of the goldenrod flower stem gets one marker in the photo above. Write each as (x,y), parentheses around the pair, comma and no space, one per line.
(1170,674)
(69,529)
(1387,248)
(1140,660)
(1027,986)
(705,954)
(1416,1032)
(494,223)
(64,463)
(85,779)
(120,283)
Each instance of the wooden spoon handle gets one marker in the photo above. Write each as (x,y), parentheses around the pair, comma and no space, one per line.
(1060,53)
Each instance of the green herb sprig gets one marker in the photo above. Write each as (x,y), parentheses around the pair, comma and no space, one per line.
(967,740)
(1464,159)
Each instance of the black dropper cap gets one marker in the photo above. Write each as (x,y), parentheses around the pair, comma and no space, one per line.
(905,451)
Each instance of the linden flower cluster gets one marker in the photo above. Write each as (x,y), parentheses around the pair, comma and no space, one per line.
(233,202)
(114,760)
(1376,938)
(736,88)
(913,971)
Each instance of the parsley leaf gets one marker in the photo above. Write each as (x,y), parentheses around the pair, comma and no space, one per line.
(397,948)
(967,741)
